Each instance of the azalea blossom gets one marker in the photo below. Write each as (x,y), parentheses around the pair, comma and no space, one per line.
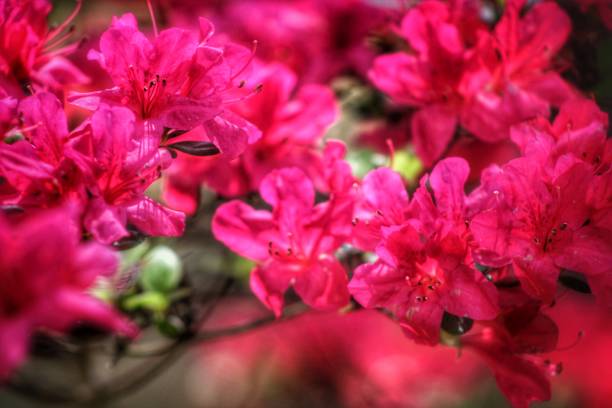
(292,120)
(43,168)
(31,53)
(337,31)
(106,165)
(460,73)
(181,80)
(122,162)
(424,267)
(45,272)
(294,244)
(512,346)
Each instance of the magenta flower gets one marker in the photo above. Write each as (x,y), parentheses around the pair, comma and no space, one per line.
(177,81)
(580,129)
(292,121)
(43,169)
(423,267)
(121,163)
(106,165)
(541,223)
(294,244)
(454,78)
(30,53)
(44,273)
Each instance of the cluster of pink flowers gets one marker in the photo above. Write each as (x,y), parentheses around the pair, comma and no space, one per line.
(464,260)
(71,194)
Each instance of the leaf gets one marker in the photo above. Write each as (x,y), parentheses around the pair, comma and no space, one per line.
(195,148)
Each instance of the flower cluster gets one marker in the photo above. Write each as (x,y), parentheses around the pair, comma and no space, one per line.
(459,72)
(72,194)
(455,256)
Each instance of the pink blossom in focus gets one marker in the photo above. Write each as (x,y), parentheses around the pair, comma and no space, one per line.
(292,121)
(294,244)
(424,265)
(180,80)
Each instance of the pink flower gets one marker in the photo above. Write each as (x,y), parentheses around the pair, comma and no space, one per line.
(44,273)
(294,244)
(106,165)
(423,267)
(177,81)
(509,346)
(541,223)
(30,53)
(455,78)
(42,169)
(580,129)
(121,163)
(432,77)
(292,120)
(519,79)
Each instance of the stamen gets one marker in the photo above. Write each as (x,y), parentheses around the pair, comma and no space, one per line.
(248,62)
(152,14)
(66,22)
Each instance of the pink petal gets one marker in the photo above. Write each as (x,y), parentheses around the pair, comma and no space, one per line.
(269,283)
(156,220)
(422,321)
(470,296)
(447,181)
(244,230)
(105,223)
(231,133)
(123,46)
(323,284)
(289,190)
(538,276)
(45,114)
(377,285)
(433,128)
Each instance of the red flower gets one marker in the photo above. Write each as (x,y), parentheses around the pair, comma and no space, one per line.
(454,77)
(294,244)
(178,81)
(44,273)
(423,267)
(31,53)
(511,345)
(292,120)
